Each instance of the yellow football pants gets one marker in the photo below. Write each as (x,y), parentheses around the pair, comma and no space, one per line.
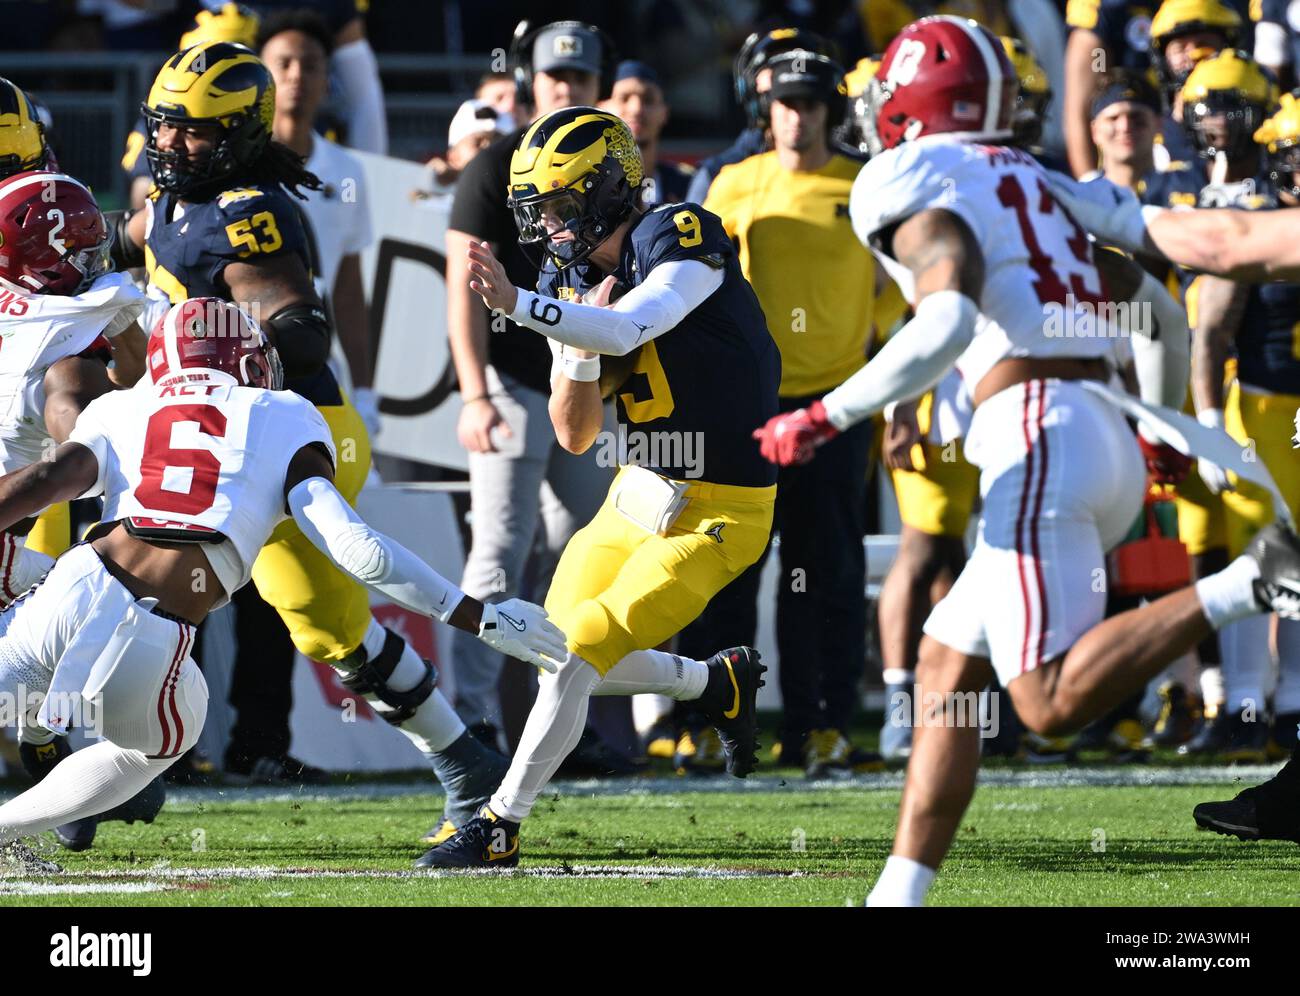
(619,587)
(52,532)
(1267,422)
(937,497)
(327,611)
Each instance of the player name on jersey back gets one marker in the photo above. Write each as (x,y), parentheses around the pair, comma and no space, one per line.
(200,455)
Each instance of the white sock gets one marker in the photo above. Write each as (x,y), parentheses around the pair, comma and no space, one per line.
(1286,698)
(91,781)
(20,568)
(1227,595)
(553,729)
(373,642)
(1212,687)
(1246,664)
(435,725)
(655,671)
(902,882)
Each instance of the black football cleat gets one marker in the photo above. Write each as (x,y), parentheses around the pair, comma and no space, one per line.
(1265,812)
(1277,551)
(730,702)
(486,841)
(39,760)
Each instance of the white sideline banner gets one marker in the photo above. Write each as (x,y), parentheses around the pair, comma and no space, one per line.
(404,272)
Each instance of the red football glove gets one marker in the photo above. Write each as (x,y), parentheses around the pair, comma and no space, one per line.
(791,438)
(1164,463)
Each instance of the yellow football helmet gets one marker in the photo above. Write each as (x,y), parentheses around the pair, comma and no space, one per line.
(232,23)
(22,137)
(1232,85)
(1176,18)
(574,178)
(1280,136)
(213,84)
(1032,98)
(860,116)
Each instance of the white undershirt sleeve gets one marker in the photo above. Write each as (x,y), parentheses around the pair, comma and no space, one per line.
(374,559)
(358,72)
(913,360)
(669,293)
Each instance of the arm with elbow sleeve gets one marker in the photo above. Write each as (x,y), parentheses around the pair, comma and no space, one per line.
(910,363)
(374,559)
(667,295)
(301,335)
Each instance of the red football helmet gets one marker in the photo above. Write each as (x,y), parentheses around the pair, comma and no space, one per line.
(942,75)
(206,333)
(53,237)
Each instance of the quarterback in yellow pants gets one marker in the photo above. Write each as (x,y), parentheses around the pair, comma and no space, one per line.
(692,506)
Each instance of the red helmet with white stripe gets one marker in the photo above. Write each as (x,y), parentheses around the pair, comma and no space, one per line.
(943,75)
(53,237)
(206,333)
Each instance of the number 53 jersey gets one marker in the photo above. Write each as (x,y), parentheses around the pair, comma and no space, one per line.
(203,460)
(697,392)
(1041,287)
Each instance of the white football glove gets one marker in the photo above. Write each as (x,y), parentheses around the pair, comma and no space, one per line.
(521,629)
(1214,476)
(1110,212)
(366,403)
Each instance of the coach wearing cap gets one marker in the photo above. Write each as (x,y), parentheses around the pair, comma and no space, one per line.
(788,211)
(520,478)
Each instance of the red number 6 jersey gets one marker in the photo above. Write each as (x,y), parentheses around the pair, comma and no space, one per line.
(204,460)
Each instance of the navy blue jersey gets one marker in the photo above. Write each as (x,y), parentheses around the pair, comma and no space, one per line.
(701,388)
(667,185)
(186,256)
(1279,12)
(1177,141)
(1268,338)
(1124,27)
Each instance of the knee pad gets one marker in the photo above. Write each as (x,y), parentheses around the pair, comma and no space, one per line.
(370,677)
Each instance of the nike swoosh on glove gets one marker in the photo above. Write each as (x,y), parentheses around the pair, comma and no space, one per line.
(790,438)
(521,629)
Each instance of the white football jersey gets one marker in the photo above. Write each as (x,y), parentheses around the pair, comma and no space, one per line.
(38,330)
(1041,287)
(202,457)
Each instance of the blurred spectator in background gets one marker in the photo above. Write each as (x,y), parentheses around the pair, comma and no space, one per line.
(356,94)
(751,79)
(140,25)
(520,478)
(1277,40)
(499,91)
(475,126)
(788,211)
(295,45)
(1106,35)
(638,99)
(1125,121)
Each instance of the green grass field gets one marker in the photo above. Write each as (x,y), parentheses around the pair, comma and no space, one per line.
(1060,837)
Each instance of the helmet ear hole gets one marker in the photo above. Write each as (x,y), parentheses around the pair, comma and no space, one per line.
(940,54)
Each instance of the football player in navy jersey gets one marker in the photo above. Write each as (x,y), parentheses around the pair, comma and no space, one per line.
(222,223)
(687,354)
